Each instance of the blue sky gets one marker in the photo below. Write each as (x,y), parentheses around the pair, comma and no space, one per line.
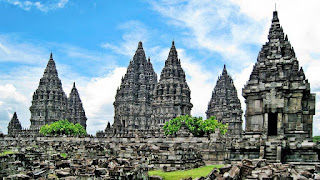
(93,41)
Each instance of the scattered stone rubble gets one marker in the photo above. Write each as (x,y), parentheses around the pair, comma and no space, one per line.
(86,157)
(260,169)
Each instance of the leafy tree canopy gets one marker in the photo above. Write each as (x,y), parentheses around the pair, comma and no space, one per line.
(63,127)
(196,125)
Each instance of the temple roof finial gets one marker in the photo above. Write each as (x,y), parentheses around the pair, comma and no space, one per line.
(224,71)
(51,55)
(14,115)
(275,16)
(74,85)
(140,45)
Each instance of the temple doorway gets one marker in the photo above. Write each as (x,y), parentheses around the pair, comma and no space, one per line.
(272,124)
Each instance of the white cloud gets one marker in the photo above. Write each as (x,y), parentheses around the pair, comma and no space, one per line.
(13,51)
(11,101)
(98,97)
(27,5)
(214,25)
(134,31)
(200,82)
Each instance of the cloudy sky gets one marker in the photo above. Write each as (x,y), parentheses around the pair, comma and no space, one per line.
(93,41)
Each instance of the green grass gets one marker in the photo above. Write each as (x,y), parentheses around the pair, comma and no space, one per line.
(177,175)
(6,152)
(64,155)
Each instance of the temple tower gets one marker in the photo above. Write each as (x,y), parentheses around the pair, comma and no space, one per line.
(172,93)
(76,112)
(225,105)
(49,102)
(134,97)
(278,97)
(14,125)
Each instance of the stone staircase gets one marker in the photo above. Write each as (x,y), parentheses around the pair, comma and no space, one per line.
(271,149)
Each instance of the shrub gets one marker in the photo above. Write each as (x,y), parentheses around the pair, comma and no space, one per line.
(316,138)
(196,125)
(63,127)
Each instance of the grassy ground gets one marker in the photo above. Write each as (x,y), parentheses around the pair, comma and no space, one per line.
(6,152)
(177,175)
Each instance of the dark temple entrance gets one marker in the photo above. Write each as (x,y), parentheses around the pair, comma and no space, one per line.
(272,124)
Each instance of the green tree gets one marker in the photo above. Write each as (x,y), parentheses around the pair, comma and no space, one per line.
(63,127)
(196,125)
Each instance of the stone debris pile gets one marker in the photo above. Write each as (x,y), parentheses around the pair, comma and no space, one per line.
(259,169)
(78,168)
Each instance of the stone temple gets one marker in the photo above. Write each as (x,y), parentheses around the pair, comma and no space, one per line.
(172,93)
(76,113)
(279,106)
(225,105)
(14,125)
(50,103)
(132,105)
(278,97)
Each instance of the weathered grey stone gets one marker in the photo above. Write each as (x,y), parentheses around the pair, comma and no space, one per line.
(76,113)
(14,125)
(155,178)
(133,100)
(172,93)
(225,105)
(278,90)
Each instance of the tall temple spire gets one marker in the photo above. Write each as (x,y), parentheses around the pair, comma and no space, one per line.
(225,104)
(76,113)
(172,93)
(272,109)
(133,99)
(14,125)
(172,56)
(49,102)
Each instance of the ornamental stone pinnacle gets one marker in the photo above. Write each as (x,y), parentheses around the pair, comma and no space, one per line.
(225,105)
(14,125)
(172,93)
(133,99)
(76,112)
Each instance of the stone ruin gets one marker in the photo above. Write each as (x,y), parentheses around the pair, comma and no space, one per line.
(279,114)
